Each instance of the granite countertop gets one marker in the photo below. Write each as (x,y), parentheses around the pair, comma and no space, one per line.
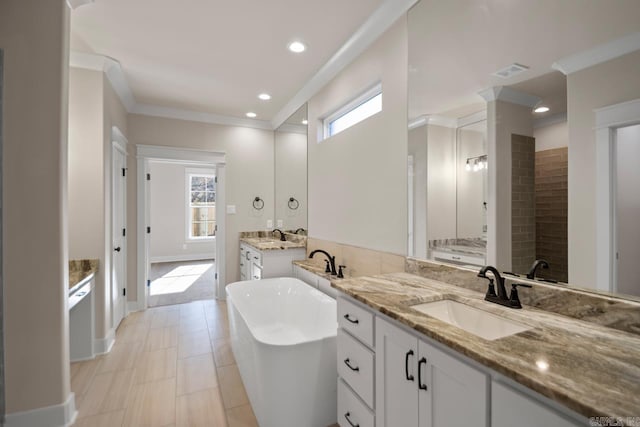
(317,266)
(460,249)
(591,369)
(80,271)
(271,243)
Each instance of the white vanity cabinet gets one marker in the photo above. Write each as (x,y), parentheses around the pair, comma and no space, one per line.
(422,386)
(256,264)
(314,280)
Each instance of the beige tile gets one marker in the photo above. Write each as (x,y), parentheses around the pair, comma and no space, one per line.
(196,373)
(222,352)
(233,392)
(165,318)
(391,263)
(219,328)
(203,408)
(241,416)
(157,365)
(122,356)
(108,392)
(153,405)
(193,344)
(137,317)
(109,419)
(192,324)
(132,332)
(82,374)
(159,338)
(361,262)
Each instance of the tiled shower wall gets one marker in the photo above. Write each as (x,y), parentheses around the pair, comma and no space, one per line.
(523,225)
(551,211)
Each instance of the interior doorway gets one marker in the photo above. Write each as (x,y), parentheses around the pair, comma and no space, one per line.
(626,209)
(118,227)
(196,224)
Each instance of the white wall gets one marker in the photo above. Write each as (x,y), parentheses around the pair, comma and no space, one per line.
(249,169)
(291,179)
(605,84)
(470,193)
(441,183)
(552,136)
(418,149)
(358,178)
(168,200)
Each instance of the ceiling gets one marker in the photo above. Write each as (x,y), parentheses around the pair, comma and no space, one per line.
(455,45)
(216,56)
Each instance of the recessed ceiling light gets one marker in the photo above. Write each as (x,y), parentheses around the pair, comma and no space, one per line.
(541,110)
(297,47)
(264,96)
(251,114)
(510,71)
(304,122)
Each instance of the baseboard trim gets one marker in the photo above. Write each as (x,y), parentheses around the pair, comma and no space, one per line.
(104,345)
(62,415)
(132,306)
(187,257)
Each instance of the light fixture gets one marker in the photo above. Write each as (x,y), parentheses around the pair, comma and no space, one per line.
(304,121)
(541,110)
(297,47)
(264,96)
(476,163)
(468,166)
(251,114)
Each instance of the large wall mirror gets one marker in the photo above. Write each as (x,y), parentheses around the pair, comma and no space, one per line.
(291,173)
(495,100)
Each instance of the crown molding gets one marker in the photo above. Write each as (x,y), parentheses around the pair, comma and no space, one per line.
(448,122)
(599,54)
(506,94)
(379,21)
(550,120)
(74,4)
(196,116)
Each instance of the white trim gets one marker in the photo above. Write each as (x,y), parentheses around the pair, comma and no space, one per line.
(61,415)
(471,119)
(448,122)
(74,4)
(599,54)
(379,21)
(179,155)
(132,306)
(444,121)
(186,257)
(188,173)
(361,99)
(553,119)
(507,94)
(608,119)
(104,345)
(221,235)
(197,116)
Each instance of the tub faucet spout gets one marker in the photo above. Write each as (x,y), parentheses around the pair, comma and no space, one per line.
(332,260)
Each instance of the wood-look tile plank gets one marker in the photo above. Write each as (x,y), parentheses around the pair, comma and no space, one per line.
(153,405)
(219,328)
(222,352)
(108,392)
(109,419)
(123,356)
(196,373)
(157,365)
(132,332)
(201,409)
(193,344)
(159,338)
(82,374)
(233,392)
(241,416)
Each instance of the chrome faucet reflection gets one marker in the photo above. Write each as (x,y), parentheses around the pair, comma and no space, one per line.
(331,266)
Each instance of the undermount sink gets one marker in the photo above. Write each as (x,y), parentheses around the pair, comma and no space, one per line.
(473,320)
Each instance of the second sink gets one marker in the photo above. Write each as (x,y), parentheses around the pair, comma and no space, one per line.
(473,320)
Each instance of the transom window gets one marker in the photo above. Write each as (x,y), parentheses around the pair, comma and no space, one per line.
(202,206)
(357,110)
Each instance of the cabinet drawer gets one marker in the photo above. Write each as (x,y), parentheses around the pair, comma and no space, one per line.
(356,320)
(356,366)
(351,410)
(255,257)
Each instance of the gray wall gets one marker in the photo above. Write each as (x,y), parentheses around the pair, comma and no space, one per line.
(1,281)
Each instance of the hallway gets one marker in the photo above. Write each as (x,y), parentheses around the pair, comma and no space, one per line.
(181,282)
(170,366)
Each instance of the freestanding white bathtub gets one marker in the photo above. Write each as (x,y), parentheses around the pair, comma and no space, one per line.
(283,336)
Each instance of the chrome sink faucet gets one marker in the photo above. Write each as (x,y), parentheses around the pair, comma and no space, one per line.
(331,261)
(501,298)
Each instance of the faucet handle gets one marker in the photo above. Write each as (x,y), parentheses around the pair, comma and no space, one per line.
(340,275)
(491,290)
(327,268)
(514,300)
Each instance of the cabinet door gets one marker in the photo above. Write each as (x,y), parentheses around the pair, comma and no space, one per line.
(256,272)
(452,393)
(396,376)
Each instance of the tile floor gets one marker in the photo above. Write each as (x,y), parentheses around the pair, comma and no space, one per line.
(170,366)
(181,282)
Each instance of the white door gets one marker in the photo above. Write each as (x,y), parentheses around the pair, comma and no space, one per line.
(396,376)
(627,210)
(118,253)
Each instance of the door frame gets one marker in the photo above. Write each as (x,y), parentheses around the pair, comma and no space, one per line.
(211,159)
(608,120)
(118,143)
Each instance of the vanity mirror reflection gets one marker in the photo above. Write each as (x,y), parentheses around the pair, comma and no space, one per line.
(479,73)
(291,173)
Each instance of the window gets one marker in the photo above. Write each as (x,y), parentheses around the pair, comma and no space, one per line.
(201,211)
(361,108)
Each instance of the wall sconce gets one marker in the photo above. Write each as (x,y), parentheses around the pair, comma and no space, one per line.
(477,163)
